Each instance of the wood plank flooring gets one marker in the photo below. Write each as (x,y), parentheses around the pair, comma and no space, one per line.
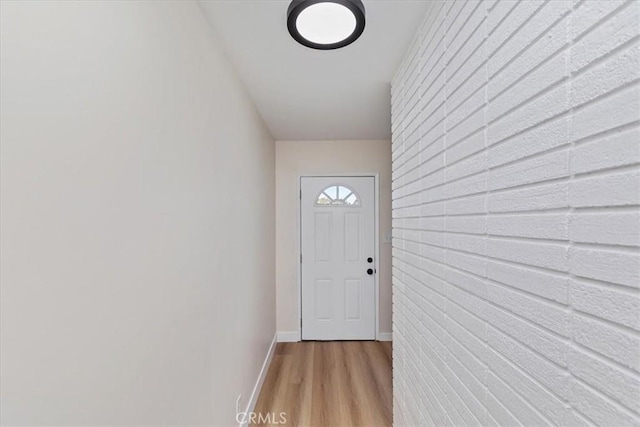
(329,383)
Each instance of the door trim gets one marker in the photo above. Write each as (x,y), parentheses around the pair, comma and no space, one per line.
(376,239)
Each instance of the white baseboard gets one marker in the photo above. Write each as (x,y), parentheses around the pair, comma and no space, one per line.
(288,336)
(385,336)
(294,336)
(260,380)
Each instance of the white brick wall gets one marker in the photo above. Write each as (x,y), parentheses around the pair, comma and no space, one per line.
(516,215)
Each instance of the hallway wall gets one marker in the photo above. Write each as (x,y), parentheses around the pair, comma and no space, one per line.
(516,218)
(296,158)
(137,212)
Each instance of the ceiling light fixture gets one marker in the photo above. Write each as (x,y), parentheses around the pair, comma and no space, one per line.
(325,24)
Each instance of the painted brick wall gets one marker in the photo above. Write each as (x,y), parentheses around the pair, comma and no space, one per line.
(516,215)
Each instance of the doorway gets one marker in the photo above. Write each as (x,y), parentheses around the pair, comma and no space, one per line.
(338,258)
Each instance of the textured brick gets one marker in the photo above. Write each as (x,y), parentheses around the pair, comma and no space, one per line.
(513,402)
(499,33)
(610,341)
(540,79)
(472,225)
(550,346)
(606,35)
(466,186)
(551,226)
(546,255)
(475,345)
(499,415)
(430,147)
(541,168)
(432,114)
(470,284)
(471,124)
(460,379)
(516,215)
(609,379)
(620,149)
(474,366)
(607,303)
(466,319)
(618,70)
(548,285)
(616,189)
(468,77)
(612,266)
(499,10)
(456,113)
(467,262)
(540,51)
(598,409)
(550,316)
(609,113)
(590,13)
(470,145)
(465,24)
(536,25)
(466,243)
(612,228)
(536,140)
(547,402)
(469,166)
(547,373)
(467,205)
(545,107)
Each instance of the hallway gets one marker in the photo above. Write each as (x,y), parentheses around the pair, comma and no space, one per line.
(329,383)
(210,209)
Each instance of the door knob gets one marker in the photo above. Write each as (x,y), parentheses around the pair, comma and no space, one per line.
(369,260)
(369,271)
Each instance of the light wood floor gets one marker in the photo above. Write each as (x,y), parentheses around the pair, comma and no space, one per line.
(329,383)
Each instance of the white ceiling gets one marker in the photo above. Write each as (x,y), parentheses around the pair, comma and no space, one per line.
(307,94)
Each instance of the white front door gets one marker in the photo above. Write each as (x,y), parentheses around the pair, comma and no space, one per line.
(338,265)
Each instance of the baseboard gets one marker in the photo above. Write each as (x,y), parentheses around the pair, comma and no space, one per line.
(288,336)
(294,336)
(385,336)
(260,380)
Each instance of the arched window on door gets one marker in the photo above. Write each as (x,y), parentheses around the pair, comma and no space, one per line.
(338,195)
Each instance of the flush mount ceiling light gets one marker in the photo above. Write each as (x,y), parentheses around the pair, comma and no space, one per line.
(325,24)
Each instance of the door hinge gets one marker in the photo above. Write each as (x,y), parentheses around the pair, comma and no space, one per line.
(300,258)
(301,322)
(300,194)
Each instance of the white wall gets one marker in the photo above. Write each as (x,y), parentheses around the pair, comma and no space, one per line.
(137,189)
(297,158)
(516,192)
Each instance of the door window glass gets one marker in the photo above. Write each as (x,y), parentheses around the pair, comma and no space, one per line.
(338,195)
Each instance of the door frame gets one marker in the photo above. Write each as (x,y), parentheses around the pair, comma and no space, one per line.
(376,239)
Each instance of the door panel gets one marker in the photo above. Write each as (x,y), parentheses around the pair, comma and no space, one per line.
(338,235)
(323,235)
(352,236)
(323,299)
(352,299)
